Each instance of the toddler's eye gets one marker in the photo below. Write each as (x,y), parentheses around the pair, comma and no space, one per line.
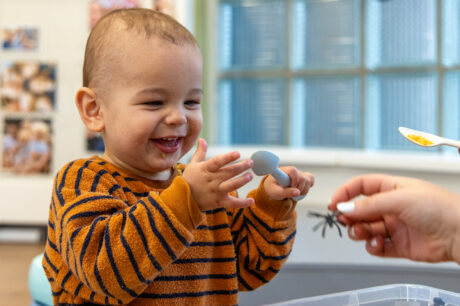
(154,103)
(192,103)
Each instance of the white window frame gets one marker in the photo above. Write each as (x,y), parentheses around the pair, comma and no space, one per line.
(441,162)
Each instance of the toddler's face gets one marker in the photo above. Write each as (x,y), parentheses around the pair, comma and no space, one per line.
(151,108)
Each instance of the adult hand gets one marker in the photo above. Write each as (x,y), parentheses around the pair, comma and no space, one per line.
(401,217)
(211,181)
(301,182)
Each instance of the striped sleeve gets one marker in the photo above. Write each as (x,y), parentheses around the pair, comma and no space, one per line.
(116,248)
(263,235)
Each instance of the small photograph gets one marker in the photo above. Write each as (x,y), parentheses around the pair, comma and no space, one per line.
(27,146)
(94,142)
(28,87)
(99,8)
(19,38)
(164,6)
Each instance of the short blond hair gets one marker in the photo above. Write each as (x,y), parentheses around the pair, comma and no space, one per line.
(142,21)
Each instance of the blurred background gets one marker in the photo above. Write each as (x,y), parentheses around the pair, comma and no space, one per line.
(324,84)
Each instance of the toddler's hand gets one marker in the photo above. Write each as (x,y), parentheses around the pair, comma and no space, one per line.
(211,181)
(301,182)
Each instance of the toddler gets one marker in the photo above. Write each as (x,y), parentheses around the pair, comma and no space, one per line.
(135,227)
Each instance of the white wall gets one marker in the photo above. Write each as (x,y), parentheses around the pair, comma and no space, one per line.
(63,29)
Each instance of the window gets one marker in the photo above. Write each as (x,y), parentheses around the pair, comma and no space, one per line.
(336,73)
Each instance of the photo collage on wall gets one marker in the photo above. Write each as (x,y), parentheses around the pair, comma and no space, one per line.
(27,101)
(28,94)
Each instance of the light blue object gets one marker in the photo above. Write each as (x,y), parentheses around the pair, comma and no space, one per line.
(39,286)
(267,163)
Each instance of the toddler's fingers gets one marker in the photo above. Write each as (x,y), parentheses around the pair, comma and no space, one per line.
(290,192)
(235,183)
(233,202)
(310,179)
(293,174)
(306,181)
(200,153)
(217,162)
(237,168)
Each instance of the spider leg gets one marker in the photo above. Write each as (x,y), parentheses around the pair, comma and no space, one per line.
(338,227)
(315,228)
(335,215)
(324,230)
(315,214)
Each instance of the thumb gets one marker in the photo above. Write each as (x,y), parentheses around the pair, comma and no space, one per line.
(200,153)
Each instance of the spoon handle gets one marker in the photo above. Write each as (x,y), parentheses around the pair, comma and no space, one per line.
(281,177)
(284,180)
(452,143)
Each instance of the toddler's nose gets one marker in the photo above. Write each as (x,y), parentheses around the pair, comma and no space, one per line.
(176,117)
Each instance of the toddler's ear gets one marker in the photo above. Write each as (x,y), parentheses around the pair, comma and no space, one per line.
(89,109)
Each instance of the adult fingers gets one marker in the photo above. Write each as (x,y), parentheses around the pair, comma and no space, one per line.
(376,206)
(200,153)
(235,183)
(379,246)
(365,231)
(363,185)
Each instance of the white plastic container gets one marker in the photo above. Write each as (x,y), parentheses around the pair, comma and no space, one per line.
(389,295)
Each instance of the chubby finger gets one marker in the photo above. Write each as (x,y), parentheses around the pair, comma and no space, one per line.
(237,168)
(293,174)
(217,162)
(310,179)
(306,182)
(235,183)
(200,153)
(234,202)
(289,192)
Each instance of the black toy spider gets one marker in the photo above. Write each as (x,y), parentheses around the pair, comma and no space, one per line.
(329,219)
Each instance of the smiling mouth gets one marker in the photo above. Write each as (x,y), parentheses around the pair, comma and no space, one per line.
(168,144)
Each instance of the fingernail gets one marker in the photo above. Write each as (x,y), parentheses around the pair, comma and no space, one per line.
(346,207)
(250,162)
(373,242)
(352,231)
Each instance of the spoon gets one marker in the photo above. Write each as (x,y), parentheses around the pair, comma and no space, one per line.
(426,139)
(267,163)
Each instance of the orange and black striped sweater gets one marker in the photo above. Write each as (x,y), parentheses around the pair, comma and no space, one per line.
(117,238)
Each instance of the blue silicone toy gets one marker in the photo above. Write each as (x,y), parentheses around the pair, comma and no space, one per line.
(266,162)
(39,286)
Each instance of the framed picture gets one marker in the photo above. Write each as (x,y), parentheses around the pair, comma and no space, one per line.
(28,87)
(99,8)
(19,38)
(26,146)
